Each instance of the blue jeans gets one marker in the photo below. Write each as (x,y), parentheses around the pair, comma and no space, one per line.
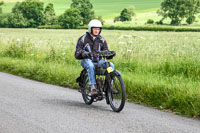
(88,64)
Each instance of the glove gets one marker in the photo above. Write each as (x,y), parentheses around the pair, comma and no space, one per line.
(85,54)
(113,54)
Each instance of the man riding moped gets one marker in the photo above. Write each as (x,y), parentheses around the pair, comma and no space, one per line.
(87,47)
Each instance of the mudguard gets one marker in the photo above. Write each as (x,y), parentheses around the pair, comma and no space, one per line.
(116,72)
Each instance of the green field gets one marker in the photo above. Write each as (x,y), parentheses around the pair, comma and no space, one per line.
(160,69)
(105,8)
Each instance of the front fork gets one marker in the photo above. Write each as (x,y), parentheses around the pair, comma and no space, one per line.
(108,80)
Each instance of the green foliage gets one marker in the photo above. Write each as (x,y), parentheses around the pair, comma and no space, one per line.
(52,73)
(16,20)
(32,10)
(154,28)
(1,3)
(177,10)
(70,19)
(49,9)
(193,8)
(125,15)
(4,20)
(131,11)
(18,49)
(116,19)
(150,21)
(85,8)
(49,15)
(136,28)
(104,8)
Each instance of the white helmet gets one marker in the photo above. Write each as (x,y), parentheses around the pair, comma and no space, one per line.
(94,23)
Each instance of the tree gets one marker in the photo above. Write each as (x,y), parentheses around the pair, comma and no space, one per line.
(131,11)
(193,8)
(70,19)
(116,19)
(125,15)
(85,8)
(1,3)
(32,10)
(49,14)
(16,20)
(4,20)
(177,10)
(49,9)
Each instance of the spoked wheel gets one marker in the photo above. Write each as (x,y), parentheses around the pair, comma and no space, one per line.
(86,90)
(117,93)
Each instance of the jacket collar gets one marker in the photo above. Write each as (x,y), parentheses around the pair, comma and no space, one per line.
(91,38)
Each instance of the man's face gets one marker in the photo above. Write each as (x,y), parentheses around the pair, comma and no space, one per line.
(96,31)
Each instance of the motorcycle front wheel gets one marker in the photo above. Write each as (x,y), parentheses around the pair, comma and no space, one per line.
(117,93)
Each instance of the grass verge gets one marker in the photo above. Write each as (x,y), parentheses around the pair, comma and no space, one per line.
(145,88)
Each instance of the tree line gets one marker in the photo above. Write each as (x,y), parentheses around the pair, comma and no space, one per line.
(32,13)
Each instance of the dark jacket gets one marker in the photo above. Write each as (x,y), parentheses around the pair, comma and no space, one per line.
(95,45)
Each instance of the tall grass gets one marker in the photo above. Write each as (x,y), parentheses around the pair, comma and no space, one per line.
(160,69)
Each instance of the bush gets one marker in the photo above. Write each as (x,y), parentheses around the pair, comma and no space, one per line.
(31,10)
(153,28)
(16,20)
(49,15)
(4,23)
(136,28)
(1,3)
(85,8)
(116,19)
(70,19)
(125,15)
(150,21)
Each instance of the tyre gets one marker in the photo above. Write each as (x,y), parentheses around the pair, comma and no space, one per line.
(117,93)
(86,89)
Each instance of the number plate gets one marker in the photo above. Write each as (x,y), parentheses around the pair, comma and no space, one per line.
(109,69)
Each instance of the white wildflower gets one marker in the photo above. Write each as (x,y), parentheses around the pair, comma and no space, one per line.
(121,37)
(121,42)
(127,36)
(130,41)
(138,37)
(18,40)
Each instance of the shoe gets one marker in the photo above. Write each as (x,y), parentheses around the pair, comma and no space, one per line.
(93,90)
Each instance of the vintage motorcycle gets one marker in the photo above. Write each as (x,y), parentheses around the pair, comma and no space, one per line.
(110,85)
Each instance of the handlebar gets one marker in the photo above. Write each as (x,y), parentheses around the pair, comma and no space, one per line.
(106,53)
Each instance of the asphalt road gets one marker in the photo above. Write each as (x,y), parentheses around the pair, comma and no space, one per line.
(28,106)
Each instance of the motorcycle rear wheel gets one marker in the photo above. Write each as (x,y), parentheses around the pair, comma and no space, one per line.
(86,89)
